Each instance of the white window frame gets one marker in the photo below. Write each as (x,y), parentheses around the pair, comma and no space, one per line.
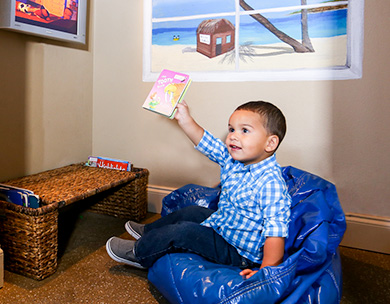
(352,70)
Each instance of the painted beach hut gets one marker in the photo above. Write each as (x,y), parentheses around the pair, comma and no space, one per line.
(215,37)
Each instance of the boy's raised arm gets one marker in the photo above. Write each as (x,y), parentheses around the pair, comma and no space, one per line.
(188,124)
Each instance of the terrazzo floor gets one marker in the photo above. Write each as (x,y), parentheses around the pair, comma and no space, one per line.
(86,274)
(366,277)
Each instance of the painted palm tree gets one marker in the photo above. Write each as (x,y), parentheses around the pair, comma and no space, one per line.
(298,47)
(306,42)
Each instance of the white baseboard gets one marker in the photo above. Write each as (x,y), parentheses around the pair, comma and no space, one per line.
(367,232)
(363,231)
(155,197)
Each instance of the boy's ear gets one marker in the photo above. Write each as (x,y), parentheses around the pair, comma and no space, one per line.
(272,143)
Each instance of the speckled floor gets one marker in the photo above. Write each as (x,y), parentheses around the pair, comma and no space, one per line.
(366,277)
(86,274)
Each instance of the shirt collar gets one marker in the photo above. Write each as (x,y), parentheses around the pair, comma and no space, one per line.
(257,168)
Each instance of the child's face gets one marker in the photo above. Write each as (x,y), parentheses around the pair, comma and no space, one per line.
(248,141)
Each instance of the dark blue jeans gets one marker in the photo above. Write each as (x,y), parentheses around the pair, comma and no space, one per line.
(180,232)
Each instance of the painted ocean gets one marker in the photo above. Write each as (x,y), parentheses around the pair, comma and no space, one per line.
(321,25)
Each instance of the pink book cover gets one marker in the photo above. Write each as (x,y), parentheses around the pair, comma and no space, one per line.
(168,90)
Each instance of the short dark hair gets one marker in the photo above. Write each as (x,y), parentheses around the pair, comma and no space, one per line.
(274,120)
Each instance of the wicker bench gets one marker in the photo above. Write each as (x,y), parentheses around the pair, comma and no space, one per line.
(29,237)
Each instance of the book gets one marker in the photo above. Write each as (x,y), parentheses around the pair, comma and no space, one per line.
(108,163)
(13,196)
(19,196)
(168,90)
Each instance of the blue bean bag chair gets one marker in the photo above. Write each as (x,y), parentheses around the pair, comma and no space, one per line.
(310,273)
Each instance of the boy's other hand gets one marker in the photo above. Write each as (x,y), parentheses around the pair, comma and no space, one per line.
(247,273)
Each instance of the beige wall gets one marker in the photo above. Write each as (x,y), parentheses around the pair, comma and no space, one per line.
(336,129)
(13,53)
(46,104)
(361,122)
(157,143)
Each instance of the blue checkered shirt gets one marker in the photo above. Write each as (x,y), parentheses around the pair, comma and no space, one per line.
(254,202)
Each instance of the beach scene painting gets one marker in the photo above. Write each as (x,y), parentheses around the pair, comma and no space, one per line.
(239,40)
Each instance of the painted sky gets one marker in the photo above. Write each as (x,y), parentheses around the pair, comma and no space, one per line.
(175,8)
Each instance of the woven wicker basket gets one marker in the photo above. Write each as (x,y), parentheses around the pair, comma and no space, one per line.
(29,237)
(126,201)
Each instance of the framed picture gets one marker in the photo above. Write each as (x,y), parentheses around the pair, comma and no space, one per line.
(251,40)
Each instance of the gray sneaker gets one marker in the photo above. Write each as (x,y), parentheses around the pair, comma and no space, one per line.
(134,229)
(122,251)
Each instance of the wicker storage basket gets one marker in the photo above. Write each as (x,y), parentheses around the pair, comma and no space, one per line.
(29,237)
(126,201)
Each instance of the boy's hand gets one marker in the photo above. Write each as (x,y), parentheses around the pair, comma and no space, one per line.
(188,124)
(247,273)
(183,113)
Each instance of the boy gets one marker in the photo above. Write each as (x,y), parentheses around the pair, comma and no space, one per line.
(251,222)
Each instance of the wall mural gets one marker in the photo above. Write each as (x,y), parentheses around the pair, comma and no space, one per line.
(243,40)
